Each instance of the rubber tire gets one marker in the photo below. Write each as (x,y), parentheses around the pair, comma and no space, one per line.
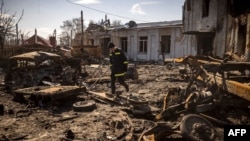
(186,128)
(84,106)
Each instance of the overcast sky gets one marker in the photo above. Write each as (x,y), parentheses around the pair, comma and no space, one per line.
(47,15)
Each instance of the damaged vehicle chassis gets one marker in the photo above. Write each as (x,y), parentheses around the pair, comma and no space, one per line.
(37,68)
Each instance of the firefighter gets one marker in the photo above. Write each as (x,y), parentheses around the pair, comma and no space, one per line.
(118,66)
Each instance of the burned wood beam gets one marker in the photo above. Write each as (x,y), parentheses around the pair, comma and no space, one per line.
(234,87)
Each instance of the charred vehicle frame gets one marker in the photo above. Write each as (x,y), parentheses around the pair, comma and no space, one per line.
(37,68)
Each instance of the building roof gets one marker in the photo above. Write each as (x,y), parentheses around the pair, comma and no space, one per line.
(95,27)
(133,25)
(37,40)
(160,24)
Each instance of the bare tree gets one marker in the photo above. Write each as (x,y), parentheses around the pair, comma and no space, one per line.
(7,24)
(77,24)
(69,29)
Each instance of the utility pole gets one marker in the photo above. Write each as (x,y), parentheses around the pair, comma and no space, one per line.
(1,38)
(82,28)
(71,33)
(17,40)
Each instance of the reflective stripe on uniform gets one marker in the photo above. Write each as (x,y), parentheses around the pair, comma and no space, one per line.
(117,53)
(125,62)
(120,74)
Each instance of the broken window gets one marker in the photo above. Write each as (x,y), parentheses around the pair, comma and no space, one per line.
(165,43)
(205,8)
(124,44)
(143,44)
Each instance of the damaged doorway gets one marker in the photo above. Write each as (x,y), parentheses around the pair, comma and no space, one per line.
(165,45)
(104,46)
(205,43)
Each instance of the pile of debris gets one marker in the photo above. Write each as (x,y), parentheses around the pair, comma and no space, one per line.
(182,102)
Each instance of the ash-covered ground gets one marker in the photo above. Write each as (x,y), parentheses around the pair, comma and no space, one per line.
(103,120)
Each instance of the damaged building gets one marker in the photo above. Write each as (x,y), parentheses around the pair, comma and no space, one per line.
(218,26)
(189,101)
(145,41)
(221,32)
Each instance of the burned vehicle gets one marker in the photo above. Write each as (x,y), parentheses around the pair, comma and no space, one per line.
(37,68)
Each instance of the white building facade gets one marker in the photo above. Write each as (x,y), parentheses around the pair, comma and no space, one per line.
(148,41)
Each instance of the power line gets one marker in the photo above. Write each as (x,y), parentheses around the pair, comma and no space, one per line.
(105,12)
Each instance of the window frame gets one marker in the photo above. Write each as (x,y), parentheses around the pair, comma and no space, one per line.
(124,44)
(143,44)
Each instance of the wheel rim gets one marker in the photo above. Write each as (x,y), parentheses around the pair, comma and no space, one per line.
(195,127)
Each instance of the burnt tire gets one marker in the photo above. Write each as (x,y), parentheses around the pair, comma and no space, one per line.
(84,106)
(196,128)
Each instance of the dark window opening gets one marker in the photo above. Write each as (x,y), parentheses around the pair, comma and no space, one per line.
(242,36)
(165,43)
(124,44)
(188,5)
(205,44)
(205,8)
(238,7)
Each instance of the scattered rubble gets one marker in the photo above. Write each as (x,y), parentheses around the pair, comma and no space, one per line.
(180,102)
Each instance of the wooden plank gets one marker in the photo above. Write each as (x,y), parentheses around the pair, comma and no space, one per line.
(101,94)
(120,100)
(105,96)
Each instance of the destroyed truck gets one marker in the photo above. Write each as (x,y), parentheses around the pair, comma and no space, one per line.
(37,68)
